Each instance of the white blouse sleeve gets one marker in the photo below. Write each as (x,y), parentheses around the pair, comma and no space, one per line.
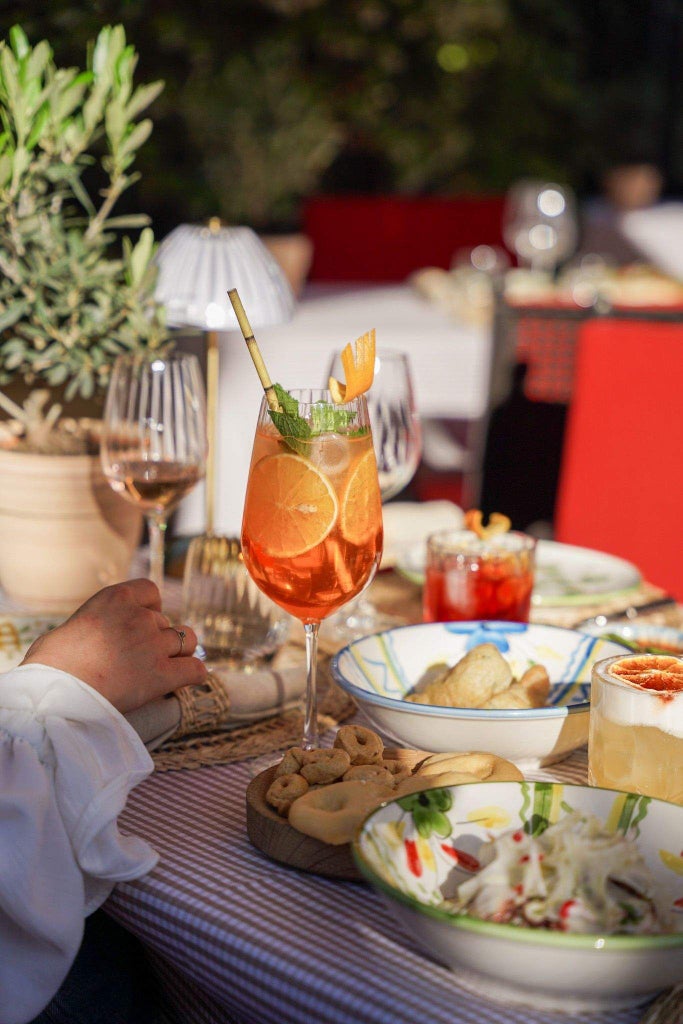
(68,760)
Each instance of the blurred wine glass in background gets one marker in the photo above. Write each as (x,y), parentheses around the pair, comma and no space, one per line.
(540,224)
(396,432)
(397,440)
(154,443)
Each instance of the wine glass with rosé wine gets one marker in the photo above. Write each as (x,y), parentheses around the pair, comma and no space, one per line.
(154,443)
(312,526)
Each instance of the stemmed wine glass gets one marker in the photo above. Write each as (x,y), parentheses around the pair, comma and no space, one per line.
(154,444)
(312,524)
(397,439)
(540,224)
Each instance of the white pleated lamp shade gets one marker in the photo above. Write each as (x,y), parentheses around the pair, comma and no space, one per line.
(199,264)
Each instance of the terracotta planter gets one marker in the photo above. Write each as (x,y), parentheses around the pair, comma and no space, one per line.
(294,253)
(64,533)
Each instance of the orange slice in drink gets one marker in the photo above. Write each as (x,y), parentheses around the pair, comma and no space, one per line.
(359,370)
(650,672)
(361,508)
(290,507)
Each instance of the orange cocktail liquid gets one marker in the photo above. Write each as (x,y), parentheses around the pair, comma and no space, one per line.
(486,588)
(312,526)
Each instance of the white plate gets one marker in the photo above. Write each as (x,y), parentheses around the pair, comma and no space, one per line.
(409,523)
(652,638)
(565,574)
(17,633)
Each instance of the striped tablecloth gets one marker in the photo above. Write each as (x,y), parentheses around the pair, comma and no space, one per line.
(241,938)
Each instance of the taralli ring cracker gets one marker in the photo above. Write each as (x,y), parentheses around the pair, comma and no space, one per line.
(291,761)
(362,745)
(323,766)
(284,790)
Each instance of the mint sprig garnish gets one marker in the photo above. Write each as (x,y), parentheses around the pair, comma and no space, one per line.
(297,431)
(293,427)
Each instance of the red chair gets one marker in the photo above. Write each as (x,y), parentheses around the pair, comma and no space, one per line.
(621,480)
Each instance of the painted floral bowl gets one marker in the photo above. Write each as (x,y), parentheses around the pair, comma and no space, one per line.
(379,670)
(420,848)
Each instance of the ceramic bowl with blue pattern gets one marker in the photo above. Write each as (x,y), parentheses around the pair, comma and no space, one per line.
(379,670)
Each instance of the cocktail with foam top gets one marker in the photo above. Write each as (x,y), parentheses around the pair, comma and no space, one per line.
(636,725)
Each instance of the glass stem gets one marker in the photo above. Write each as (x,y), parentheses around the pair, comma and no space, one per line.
(311,713)
(157,529)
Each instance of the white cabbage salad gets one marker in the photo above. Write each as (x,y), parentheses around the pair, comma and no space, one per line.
(574,877)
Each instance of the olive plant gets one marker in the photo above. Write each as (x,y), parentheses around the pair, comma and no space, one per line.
(74,291)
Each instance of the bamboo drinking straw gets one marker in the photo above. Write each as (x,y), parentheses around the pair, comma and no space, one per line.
(254,351)
(211,561)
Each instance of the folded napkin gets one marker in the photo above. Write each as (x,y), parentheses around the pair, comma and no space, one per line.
(228,699)
(408,524)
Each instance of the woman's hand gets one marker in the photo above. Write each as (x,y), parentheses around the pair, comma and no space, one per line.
(121,645)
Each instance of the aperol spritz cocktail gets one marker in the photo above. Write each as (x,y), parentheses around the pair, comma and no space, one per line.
(312,526)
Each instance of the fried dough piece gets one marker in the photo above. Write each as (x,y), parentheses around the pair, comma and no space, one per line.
(486,767)
(515,698)
(333,813)
(477,677)
(530,692)
(536,683)
(417,783)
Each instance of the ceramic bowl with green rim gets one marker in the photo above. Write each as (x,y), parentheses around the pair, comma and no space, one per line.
(378,671)
(417,850)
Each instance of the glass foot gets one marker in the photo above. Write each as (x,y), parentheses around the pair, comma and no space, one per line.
(355,620)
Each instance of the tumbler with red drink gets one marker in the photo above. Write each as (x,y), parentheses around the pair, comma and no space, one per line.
(472,577)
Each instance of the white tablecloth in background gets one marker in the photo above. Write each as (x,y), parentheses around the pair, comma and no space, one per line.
(450,363)
(658,232)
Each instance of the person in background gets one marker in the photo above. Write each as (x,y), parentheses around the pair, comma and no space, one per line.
(631,185)
(68,760)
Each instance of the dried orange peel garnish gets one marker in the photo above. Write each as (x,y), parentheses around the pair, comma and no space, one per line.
(359,370)
(497,523)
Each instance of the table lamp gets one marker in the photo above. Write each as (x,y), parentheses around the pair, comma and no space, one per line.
(198,264)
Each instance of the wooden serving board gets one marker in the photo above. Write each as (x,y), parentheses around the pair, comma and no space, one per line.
(272,834)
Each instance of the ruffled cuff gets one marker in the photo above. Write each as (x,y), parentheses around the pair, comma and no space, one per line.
(95,757)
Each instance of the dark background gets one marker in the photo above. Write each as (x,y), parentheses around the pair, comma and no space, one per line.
(269,101)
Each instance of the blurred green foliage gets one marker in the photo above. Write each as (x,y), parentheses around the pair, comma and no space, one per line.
(269,100)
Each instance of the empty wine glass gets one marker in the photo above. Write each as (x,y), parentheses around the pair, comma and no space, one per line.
(396,431)
(540,224)
(397,439)
(154,444)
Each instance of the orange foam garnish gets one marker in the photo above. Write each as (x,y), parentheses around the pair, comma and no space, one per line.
(497,523)
(650,672)
(359,370)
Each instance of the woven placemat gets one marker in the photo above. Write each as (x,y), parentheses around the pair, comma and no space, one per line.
(269,736)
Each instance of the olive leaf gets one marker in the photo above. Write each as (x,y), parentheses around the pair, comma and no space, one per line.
(73,295)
